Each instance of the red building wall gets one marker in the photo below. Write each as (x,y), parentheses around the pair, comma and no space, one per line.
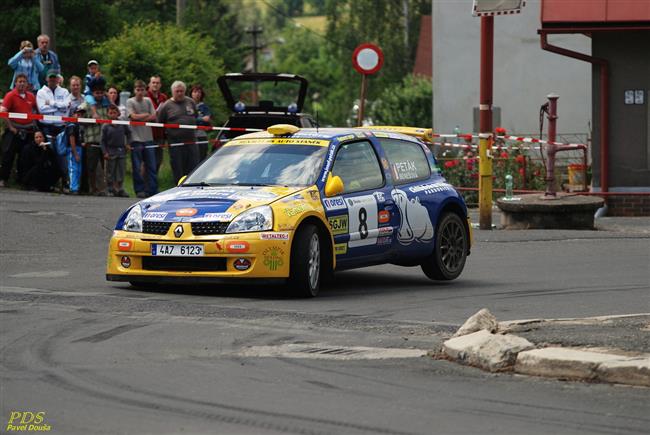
(597,11)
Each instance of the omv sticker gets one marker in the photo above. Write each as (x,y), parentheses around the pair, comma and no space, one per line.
(155,216)
(336,203)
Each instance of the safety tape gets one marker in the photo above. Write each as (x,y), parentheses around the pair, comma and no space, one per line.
(52,118)
(470,136)
(474,146)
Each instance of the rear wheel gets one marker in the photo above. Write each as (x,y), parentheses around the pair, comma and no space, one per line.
(306,262)
(448,258)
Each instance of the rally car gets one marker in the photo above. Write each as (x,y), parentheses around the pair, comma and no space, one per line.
(296,205)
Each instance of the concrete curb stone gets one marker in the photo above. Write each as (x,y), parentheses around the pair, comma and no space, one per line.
(632,371)
(486,350)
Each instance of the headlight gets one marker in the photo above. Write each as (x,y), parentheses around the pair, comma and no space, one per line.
(255,219)
(133,221)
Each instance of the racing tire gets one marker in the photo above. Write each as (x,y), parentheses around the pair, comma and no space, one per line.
(451,242)
(306,262)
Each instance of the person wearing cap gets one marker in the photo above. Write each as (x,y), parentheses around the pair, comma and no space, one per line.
(26,63)
(48,58)
(93,73)
(75,133)
(93,133)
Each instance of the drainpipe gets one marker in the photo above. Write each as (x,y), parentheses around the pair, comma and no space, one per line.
(604,102)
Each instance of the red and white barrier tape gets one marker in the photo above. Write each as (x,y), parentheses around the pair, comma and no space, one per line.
(474,146)
(37,117)
(470,136)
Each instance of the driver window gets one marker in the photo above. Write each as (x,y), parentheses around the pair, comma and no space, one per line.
(357,165)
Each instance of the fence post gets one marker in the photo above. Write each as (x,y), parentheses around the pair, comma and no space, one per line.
(485,181)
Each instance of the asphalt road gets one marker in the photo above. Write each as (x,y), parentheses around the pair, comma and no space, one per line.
(100,357)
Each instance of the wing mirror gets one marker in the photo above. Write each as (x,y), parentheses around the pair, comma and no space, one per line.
(334,185)
(181,180)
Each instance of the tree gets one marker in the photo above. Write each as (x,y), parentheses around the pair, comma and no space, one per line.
(143,50)
(405,103)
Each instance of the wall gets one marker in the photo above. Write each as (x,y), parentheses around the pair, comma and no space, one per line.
(523,73)
(629,129)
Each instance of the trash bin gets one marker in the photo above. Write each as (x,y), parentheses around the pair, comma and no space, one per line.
(577,174)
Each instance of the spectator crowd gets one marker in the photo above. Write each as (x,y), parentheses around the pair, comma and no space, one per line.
(90,158)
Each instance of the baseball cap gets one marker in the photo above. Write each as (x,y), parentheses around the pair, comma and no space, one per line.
(92,61)
(52,74)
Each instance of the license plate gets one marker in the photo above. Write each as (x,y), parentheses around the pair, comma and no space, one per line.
(165,250)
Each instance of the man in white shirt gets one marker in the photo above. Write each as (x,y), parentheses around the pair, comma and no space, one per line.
(52,99)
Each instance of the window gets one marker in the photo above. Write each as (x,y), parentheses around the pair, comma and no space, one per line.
(357,165)
(408,162)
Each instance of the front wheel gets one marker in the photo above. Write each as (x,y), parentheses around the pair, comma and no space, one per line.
(448,258)
(306,262)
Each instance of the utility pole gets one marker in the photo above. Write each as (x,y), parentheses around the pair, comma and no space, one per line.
(180,12)
(254,31)
(47,21)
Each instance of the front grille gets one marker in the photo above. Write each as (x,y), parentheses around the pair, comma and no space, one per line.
(203,228)
(159,228)
(184,264)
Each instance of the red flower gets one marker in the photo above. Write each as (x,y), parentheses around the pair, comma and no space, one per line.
(537,173)
(500,131)
(520,159)
(504,155)
(450,163)
(521,172)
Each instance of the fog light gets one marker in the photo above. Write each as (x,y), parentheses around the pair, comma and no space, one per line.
(241,264)
(125,262)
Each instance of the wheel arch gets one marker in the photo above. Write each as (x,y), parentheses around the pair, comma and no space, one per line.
(324,231)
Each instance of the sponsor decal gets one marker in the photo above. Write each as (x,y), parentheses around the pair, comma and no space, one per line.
(279,141)
(292,211)
(124,245)
(430,188)
(385,164)
(238,247)
(415,223)
(273,258)
(405,170)
(383,216)
(241,264)
(186,212)
(363,214)
(27,421)
(385,240)
(274,236)
(218,217)
(328,163)
(335,203)
(219,245)
(380,196)
(385,231)
(314,195)
(154,216)
(125,261)
(339,224)
(348,137)
(340,249)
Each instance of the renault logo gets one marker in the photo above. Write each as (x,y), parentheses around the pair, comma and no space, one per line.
(178,231)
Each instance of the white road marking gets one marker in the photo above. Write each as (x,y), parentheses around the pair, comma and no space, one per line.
(328,351)
(42,274)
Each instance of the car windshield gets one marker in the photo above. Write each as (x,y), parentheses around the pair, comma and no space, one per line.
(261,165)
(265,94)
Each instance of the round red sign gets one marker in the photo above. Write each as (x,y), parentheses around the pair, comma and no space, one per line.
(367,58)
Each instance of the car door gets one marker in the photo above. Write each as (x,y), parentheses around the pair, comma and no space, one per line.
(358,213)
(409,172)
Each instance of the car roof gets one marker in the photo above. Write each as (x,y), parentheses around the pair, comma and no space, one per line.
(331,133)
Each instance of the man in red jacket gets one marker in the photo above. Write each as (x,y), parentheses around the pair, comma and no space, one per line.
(157,98)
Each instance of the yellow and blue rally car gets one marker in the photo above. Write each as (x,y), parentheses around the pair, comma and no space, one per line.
(298,204)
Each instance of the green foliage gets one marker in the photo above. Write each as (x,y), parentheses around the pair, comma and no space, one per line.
(405,103)
(143,50)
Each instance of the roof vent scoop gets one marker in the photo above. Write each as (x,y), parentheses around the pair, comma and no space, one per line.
(282,129)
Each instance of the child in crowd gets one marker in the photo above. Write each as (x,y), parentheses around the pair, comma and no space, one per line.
(75,133)
(113,141)
(93,75)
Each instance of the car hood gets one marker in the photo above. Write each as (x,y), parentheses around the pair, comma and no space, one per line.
(219,203)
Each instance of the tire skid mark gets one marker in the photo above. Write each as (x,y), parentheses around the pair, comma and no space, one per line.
(54,373)
(108,334)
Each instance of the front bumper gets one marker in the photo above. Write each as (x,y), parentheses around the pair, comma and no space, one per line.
(268,257)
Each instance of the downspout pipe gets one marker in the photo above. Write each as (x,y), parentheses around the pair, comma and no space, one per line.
(604,102)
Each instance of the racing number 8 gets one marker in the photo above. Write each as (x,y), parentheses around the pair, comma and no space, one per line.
(363,225)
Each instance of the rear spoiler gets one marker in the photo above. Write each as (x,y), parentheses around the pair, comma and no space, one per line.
(424,134)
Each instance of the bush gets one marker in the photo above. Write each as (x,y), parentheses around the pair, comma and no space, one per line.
(407,103)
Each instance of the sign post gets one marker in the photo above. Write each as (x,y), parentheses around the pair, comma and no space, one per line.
(486,9)
(367,59)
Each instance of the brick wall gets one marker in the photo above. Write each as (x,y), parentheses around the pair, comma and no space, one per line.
(628,205)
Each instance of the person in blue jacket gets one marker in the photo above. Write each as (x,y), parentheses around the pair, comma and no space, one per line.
(48,58)
(25,62)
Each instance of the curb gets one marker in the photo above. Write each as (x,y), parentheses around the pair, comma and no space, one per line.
(502,351)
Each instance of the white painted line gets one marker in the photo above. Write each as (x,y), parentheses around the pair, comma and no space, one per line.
(42,274)
(328,351)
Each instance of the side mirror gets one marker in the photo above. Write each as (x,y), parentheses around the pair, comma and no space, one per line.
(334,185)
(181,180)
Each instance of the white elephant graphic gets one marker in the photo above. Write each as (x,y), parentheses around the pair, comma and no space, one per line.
(415,224)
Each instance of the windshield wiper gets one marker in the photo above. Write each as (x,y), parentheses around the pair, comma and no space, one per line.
(200,184)
(261,184)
